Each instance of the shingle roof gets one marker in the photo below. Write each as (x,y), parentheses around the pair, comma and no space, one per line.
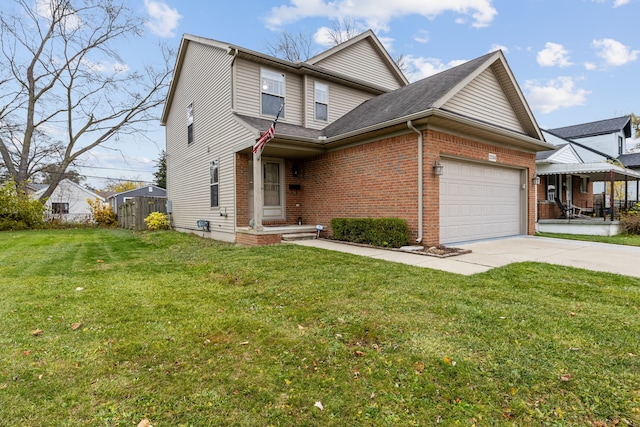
(630,160)
(407,100)
(599,127)
(282,129)
(543,155)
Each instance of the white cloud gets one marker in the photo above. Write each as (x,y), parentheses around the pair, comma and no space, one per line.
(44,9)
(496,46)
(376,14)
(420,67)
(422,37)
(590,66)
(616,3)
(553,55)
(555,94)
(104,67)
(163,20)
(614,53)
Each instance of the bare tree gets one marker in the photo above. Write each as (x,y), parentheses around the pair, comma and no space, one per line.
(53,76)
(342,30)
(291,47)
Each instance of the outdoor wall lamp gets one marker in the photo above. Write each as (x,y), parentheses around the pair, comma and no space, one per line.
(438,168)
(535,180)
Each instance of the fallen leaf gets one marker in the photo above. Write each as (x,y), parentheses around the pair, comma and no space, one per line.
(75,326)
(419,367)
(37,332)
(145,423)
(359,353)
(40,376)
(566,377)
(319,405)
(27,352)
(301,327)
(101,261)
(571,313)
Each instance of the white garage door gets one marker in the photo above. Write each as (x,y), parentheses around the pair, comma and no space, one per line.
(479,201)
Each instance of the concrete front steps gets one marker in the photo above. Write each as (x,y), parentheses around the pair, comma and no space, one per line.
(291,237)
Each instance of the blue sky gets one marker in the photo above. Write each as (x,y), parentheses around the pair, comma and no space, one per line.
(575,60)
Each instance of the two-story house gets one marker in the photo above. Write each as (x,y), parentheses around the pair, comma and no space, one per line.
(452,154)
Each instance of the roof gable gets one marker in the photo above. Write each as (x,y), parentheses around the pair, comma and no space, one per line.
(69,183)
(563,154)
(364,58)
(600,127)
(444,90)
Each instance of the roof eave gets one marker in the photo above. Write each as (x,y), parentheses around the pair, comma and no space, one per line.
(522,141)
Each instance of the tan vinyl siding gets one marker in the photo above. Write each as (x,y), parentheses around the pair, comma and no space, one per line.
(214,129)
(247,86)
(484,99)
(341,101)
(361,61)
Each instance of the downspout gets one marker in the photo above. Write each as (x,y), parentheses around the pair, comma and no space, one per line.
(420,178)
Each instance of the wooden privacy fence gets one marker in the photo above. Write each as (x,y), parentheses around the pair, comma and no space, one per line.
(132,213)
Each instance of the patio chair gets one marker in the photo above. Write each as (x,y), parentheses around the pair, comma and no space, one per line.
(563,208)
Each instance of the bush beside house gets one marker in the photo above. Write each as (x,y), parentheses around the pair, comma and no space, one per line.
(386,232)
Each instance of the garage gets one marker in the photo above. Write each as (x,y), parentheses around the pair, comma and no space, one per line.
(479,201)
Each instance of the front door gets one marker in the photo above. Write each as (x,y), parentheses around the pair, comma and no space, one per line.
(273,194)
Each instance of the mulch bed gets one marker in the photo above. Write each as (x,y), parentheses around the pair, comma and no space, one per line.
(439,251)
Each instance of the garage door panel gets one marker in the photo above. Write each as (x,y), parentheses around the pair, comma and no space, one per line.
(478,201)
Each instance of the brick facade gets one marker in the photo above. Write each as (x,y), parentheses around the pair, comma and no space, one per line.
(379,179)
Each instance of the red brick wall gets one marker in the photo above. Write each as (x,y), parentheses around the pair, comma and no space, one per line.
(379,179)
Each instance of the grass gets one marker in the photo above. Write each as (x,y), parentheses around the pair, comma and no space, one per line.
(191,332)
(619,239)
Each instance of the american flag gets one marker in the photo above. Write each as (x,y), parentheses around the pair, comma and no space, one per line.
(268,135)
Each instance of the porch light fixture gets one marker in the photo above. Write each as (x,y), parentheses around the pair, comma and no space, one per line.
(535,180)
(438,168)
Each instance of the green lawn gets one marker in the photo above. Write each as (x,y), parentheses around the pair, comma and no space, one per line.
(106,327)
(619,239)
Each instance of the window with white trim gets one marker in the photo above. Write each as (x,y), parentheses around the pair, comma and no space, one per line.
(214,183)
(620,145)
(59,208)
(322,101)
(272,92)
(190,123)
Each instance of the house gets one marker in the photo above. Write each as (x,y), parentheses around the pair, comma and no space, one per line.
(68,202)
(453,154)
(607,136)
(118,199)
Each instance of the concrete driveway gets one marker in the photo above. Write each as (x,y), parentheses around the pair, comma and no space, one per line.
(489,254)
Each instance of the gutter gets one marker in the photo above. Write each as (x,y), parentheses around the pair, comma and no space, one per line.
(420,180)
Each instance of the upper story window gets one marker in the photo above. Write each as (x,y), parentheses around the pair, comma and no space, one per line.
(322,100)
(190,123)
(620,145)
(272,92)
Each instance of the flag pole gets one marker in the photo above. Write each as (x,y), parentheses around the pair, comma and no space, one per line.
(258,184)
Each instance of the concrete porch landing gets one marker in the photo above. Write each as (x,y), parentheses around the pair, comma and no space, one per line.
(271,235)
(586,226)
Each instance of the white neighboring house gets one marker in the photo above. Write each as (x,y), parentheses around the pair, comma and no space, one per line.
(69,202)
